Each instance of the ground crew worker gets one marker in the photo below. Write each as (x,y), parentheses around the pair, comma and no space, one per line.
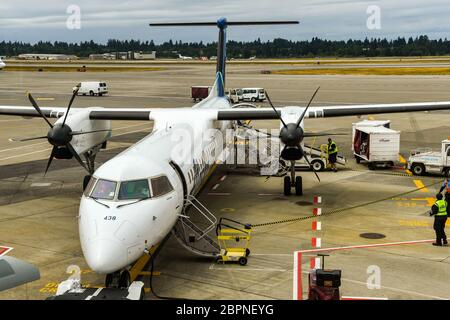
(446,186)
(440,212)
(332,154)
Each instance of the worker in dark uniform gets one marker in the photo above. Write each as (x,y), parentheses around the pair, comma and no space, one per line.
(446,186)
(332,154)
(440,212)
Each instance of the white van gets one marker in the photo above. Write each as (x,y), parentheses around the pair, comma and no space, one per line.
(91,88)
(253,94)
(235,95)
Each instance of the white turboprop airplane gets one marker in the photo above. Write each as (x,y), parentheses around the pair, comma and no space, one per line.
(184,57)
(2,64)
(133,201)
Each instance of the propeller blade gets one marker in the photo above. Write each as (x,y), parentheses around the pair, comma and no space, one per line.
(35,105)
(70,104)
(52,155)
(309,163)
(278,115)
(306,109)
(322,134)
(77,133)
(26,139)
(75,154)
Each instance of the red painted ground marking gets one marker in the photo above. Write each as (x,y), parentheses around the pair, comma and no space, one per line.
(4,250)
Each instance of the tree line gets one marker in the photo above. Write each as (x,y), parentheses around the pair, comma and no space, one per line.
(277,48)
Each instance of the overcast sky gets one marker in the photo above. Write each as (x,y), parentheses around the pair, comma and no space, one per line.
(31,21)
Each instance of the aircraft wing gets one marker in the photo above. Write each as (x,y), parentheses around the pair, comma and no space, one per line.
(332,111)
(94,113)
(146,114)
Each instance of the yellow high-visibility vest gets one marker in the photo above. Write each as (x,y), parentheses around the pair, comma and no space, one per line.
(442,207)
(334,150)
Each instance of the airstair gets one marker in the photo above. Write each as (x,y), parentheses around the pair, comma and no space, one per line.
(195,228)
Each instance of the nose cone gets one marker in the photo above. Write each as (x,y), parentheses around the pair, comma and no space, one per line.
(105,256)
(291,135)
(59,135)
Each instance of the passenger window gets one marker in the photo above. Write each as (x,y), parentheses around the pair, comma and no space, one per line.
(104,189)
(161,186)
(89,187)
(137,189)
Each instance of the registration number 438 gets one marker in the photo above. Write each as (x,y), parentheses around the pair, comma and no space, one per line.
(109,218)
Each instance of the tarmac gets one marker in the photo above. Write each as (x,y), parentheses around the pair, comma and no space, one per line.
(38,215)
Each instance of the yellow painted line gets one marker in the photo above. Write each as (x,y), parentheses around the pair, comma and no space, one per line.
(371,118)
(137,268)
(402,159)
(419,184)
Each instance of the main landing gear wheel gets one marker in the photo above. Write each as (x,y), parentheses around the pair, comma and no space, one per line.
(287,186)
(298,186)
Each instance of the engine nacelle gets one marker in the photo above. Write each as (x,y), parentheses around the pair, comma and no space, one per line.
(80,122)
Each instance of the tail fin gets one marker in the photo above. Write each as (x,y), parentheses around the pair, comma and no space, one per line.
(222,24)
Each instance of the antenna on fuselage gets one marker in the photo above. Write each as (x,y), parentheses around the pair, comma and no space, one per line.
(222,24)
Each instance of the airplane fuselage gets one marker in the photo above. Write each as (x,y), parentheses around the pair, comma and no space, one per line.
(114,232)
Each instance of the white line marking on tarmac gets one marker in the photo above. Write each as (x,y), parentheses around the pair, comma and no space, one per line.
(219,194)
(12,120)
(396,289)
(368,246)
(22,147)
(223,178)
(26,154)
(216,186)
(40,184)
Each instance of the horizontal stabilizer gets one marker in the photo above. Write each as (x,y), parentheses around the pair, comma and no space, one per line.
(229,23)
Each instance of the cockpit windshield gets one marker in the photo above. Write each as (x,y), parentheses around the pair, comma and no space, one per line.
(104,189)
(137,189)
(128,190)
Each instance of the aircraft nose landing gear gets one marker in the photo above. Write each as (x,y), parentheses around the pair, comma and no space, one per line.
(118,279)
(293,182)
